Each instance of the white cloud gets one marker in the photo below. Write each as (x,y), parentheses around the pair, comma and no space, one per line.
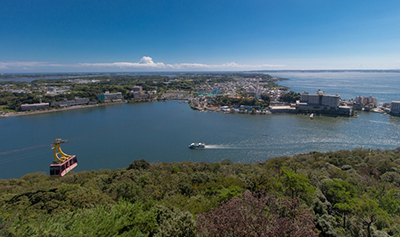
(146,60)
(18,64)
(146,63)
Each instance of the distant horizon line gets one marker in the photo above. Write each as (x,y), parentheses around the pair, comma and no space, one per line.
(202,72)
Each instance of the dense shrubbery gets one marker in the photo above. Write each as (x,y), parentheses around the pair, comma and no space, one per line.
(253,214)
(226,101)
(290,97)
(343,193)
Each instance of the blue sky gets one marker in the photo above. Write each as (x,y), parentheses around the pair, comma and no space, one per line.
(192,35)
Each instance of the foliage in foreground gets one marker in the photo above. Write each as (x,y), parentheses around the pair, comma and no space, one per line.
(343,193)
(254,214)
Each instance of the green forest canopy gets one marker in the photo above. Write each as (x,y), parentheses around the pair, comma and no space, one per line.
(342,193)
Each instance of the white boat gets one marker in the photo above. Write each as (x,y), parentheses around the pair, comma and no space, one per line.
(197,146)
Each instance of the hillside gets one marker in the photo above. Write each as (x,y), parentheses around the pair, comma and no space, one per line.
(343,193)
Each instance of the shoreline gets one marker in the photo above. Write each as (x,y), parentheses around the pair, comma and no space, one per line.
(213,110)
(16,114)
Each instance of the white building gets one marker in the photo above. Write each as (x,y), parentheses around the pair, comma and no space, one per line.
(318,101)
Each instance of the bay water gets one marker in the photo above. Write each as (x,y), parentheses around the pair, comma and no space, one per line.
(111,137)
(384,86)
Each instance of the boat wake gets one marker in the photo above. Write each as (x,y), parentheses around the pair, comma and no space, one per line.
(224,147)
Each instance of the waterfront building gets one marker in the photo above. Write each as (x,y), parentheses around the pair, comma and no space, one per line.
(36,106)
(148,95)
(395,108)
(136,94)
(365,103)
(107,96)
(318,101)
(345,110)
(74,102)
(323,104)
(282,109)
(139,94)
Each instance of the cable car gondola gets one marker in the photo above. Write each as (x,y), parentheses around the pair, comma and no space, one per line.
(62,164)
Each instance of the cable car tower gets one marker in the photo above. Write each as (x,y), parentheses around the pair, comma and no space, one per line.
(62,163)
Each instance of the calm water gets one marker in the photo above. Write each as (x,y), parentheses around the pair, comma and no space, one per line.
(383,86)
(112,137)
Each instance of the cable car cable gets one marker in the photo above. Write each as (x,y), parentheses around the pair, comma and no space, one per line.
(76,138)
(23,149)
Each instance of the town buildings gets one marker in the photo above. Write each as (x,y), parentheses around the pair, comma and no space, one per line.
(364,103)
(138,93)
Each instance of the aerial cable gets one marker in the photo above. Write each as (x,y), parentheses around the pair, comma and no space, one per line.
(23,149)
(75,138)
(23,156)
